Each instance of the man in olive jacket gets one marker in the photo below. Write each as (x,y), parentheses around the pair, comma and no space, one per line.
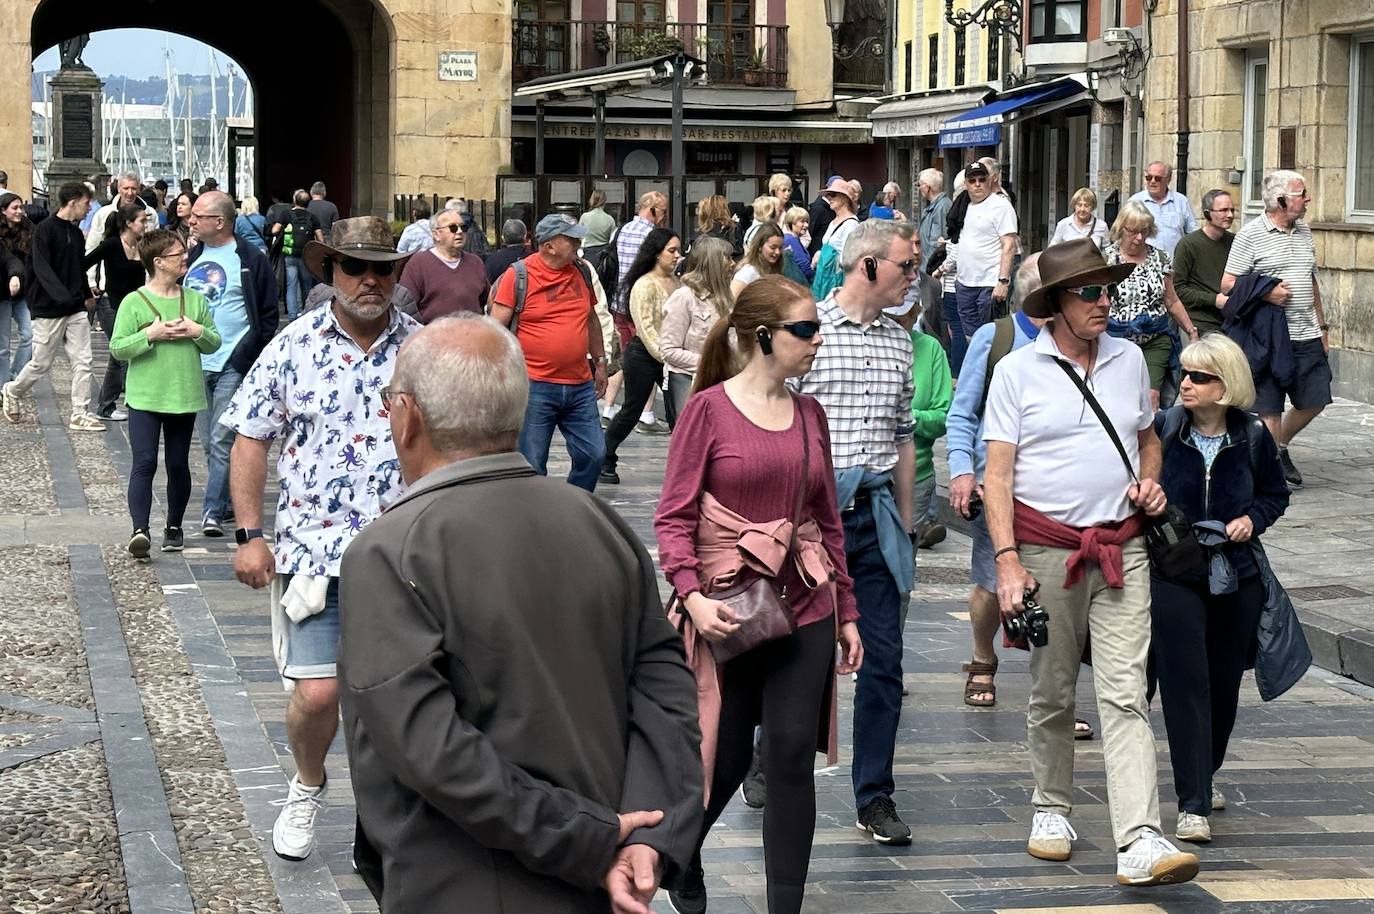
(521,723)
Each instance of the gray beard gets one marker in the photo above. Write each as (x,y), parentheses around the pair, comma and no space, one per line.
(357,311)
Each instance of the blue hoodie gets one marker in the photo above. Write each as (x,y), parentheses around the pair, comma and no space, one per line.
(964,427)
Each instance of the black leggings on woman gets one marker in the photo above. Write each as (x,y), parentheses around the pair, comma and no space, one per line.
(177,430)
(780,684)
(643,373)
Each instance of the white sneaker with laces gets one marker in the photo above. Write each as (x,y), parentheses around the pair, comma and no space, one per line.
(1051,837)
(293,835)
(1218,799)
(1193,827)
(1151,860)
(10,403)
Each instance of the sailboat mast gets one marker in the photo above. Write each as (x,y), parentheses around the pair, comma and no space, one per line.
(171,112)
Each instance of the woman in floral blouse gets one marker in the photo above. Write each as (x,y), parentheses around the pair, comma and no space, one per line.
(1143,304)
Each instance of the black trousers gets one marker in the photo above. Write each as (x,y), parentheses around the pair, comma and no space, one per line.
(113,384)
(1201,644)
(781,685)
(176,430)
(643,373)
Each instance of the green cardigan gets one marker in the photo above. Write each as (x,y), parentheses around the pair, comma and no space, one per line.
(934,394)
(164,377)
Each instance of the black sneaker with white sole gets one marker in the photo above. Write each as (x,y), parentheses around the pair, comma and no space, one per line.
(1290,472)
(879,818)
(690,895)
(173,540)
(140,544)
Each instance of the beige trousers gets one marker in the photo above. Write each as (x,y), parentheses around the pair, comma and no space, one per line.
(49,335)
(1119,622)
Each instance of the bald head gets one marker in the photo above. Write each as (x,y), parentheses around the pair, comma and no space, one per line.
(212,217)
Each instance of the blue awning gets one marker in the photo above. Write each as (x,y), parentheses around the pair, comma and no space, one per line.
(982,126)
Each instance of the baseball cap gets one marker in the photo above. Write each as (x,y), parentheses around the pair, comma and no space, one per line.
(555,224)
(975,170)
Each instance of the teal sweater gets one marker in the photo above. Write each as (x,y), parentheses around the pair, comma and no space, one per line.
(930,405)
(164,377)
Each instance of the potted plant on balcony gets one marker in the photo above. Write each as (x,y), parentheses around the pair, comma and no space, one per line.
(652,44)
(757,68)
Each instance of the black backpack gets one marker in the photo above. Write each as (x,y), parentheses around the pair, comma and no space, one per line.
(606,263)
(296,233)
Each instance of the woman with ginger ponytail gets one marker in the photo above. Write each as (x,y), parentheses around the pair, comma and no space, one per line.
(734,465)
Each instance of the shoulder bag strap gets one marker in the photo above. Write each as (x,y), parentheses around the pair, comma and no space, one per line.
(522,280)
(181,302)
(806,469)
(1101,416)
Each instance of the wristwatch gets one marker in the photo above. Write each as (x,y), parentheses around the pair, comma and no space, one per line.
(243,534)
(1006,279)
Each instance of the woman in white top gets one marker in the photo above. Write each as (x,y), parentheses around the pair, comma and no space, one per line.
(766,210)
(1084,222)
(690,313)
(763,257)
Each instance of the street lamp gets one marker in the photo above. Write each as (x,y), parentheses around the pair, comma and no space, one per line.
(1000,15)
(871,46)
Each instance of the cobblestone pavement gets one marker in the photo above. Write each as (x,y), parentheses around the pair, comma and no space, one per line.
(142,735)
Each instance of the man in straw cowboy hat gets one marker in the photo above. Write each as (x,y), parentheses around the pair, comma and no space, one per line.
(1065,515)
(321,386)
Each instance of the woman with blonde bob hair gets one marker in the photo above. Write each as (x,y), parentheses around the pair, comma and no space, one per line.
(1221,467)
(1083,221)
(690,313)
(766,212)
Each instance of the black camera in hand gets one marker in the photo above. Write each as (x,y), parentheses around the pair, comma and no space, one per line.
(975,506)
(1032,623)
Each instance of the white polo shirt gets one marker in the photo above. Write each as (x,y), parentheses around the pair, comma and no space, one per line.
(1066,466)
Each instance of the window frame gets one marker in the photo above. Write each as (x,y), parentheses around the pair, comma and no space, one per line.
(1254,164)
(1050,7)
(933,60)
(994,50)
(960,56)
(909,52)
(1352,212)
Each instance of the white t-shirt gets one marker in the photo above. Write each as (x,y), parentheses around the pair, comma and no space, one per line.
(1066,466)
(746,274)
(980,243)
(837,233)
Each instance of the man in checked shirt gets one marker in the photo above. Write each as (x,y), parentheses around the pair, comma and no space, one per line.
(862,376)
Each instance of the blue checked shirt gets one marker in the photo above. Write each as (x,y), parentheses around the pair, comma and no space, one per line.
(627,243)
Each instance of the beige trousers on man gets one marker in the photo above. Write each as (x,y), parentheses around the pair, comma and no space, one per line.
(50,334)
(1119,621)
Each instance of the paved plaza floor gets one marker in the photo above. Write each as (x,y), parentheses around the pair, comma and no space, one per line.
(143,746)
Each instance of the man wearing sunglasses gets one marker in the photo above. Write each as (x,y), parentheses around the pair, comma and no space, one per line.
(1173,213)
(445,278)
(1200,261)
(318,387)
(987,248)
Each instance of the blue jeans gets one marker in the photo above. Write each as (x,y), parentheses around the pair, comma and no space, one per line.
(19,310)
(878,694)
(297,277)
(958,343)
(217,439)
(571,408)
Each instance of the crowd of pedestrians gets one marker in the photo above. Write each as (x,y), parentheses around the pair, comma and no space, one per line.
(1095,398)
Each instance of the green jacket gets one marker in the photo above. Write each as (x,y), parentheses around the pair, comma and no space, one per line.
(934,393)
(164,377)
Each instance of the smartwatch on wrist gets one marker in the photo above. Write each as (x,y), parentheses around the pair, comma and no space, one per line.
(243,534)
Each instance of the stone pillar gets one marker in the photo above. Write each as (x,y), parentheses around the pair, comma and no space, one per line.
(77,131)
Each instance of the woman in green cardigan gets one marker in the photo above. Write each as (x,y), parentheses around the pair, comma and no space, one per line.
(161,330)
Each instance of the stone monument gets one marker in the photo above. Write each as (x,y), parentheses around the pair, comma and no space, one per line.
(77,130)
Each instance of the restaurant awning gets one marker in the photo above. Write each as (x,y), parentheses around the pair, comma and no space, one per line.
(982,126)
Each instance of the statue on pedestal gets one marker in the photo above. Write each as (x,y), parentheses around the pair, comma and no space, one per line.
(71,49)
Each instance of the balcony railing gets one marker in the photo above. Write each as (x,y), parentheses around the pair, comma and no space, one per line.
(735,54)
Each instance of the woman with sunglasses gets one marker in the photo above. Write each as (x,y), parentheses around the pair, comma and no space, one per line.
(651,279)
(690,313)
(1220,464)
(735,468)
(161,330)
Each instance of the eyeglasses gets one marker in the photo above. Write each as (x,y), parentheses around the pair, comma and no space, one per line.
(802,330)
(1153,178)
(1229,210)
(171,255)
(196,215)
(388,393)
(453,227)
(1093,294)
(975,180)
(909,265)
(1201,377)
(354,266)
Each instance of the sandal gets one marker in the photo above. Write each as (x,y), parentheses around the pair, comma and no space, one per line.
(1082,729)
(971,688)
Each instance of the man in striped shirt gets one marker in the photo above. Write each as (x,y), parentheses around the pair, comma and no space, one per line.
(1279,244)
(862,376)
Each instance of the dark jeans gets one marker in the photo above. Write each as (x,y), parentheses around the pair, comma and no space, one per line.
(975,306)
(1201,644)
(780,684)
(675,398)
(571,408)
(176,430)
(878,694)
(643,373)
(958,343)
(113,384)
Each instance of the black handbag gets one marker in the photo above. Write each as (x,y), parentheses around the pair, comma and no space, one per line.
(1175,553)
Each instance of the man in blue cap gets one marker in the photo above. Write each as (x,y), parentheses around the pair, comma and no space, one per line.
(548,302)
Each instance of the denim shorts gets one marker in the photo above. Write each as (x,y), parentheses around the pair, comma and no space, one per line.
(312,645)
(983,570)
(1311,385)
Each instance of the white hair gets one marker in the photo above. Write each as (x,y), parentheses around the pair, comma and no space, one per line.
(1279,184)
(1027,280)
(892,187)
(472,394)
(993,166)
(932,178)
(872,239)
(131,176)
(1168,169)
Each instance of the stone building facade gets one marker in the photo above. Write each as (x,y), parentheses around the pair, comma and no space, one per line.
(1283,83)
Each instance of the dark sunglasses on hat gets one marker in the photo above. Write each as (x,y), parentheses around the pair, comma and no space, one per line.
(1093,294)
(353,266)
(802,330)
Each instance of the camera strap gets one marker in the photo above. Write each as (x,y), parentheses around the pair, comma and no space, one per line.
(1101,416)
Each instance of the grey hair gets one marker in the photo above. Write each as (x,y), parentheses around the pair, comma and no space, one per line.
(993,166)
(1279,184)
(932,178)
(472,394)
(872,239)
(513,231)
(131,176)
(1209,199)
(1027,280)
(892,187)
(1168,169)
(317,188)
(456,204)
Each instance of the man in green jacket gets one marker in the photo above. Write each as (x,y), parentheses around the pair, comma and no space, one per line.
(1200,261)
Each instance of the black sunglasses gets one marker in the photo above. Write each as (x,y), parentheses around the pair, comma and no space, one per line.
(802,330)
(1201,377)
(354,266)
(453,227)
(907,266)
(1092,294)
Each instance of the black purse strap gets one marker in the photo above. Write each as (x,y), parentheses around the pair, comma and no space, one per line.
(1101,416)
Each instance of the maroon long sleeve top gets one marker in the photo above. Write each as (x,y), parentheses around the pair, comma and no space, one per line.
(754,472)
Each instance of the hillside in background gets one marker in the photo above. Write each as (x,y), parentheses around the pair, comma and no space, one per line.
(154,91)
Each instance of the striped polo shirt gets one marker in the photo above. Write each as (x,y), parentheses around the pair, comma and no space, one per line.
(1289,256)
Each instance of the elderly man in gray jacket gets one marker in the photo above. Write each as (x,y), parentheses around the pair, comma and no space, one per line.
(521,723)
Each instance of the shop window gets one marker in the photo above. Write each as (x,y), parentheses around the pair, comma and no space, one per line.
(1360,174)
(933,60)
(1252,136)
(960,55)
(1058,20)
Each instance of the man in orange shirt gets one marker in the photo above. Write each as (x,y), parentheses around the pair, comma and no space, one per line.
(560,334)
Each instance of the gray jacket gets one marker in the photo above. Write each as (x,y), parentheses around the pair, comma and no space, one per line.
(509,683)
(932,227)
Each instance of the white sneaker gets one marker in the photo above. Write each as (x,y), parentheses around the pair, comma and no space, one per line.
(1051,837)
(1151,860)
(116,415)
(1218,799)
(1194,828)
(293,836)
(10,403)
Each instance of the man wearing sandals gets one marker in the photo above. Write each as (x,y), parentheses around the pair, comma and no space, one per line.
(1065,516)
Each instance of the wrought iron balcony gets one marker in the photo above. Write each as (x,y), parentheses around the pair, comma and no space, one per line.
(736,54)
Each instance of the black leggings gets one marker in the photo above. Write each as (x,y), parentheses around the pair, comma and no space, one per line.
(144,430)
(643,373)
(780,684)
(1201,644)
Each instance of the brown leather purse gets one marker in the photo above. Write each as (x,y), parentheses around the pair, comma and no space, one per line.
(759,604)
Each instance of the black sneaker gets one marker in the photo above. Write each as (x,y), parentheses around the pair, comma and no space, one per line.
(754,789)
(1290,472)
(211,526)
(172,539)
(609,476)
(690,895)
(879,818)
(140,544)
